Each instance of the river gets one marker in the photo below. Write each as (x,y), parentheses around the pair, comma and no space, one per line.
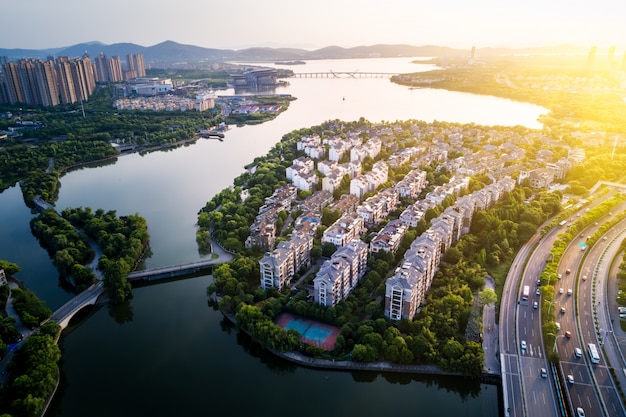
(167,352)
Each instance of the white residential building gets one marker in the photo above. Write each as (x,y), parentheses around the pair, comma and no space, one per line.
(339,275)
(300,165)
(347,228)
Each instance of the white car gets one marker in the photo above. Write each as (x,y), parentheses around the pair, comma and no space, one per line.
(562,310)
(560,290)
(570,379)
(578,352)
(558,325)
(569,291)
(543,372)
(523,345)
(535,305)
(580,412)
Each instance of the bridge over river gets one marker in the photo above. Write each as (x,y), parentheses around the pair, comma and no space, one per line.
(343,74)
(90,296)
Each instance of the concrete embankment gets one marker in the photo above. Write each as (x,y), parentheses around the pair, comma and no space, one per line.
(300,359)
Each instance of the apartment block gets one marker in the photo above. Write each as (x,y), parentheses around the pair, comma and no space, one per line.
(347,228)
(339,275)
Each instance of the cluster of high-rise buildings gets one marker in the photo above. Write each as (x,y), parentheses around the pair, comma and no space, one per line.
(63,80)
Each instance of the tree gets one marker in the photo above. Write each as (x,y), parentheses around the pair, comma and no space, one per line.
(487,296)
(363,353)
(9,268)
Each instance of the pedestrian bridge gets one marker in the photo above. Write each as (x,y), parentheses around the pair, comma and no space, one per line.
(173,271)
(64,314)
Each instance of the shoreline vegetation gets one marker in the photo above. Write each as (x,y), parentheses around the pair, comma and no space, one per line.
(581,94)
(65,140)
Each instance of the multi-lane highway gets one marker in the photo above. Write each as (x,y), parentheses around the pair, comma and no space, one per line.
(577,308)
(582,392)
(525,391)
(594,321)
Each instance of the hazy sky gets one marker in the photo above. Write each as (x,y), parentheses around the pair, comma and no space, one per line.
(238,24)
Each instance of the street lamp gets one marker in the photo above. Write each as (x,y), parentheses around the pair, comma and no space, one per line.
(604,337)
(555,339)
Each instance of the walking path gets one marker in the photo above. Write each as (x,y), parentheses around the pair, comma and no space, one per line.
(363,366)
(490,335)
(25,331)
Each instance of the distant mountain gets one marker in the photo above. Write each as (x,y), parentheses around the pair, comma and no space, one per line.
(170,52)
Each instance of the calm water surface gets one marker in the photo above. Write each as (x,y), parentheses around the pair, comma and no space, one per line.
(167,352)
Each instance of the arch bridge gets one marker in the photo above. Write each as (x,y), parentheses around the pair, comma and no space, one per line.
(64,314)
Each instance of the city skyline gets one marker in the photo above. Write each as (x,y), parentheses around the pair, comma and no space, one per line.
(241,24)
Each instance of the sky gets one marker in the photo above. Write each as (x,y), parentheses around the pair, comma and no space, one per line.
(240,24)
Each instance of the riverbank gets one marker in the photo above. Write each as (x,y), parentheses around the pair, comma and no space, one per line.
(381,366)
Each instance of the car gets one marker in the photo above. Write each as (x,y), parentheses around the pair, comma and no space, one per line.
(543,372)
(535,305)
(523,345)
(558,325)
(582,235)
(538,292)
(539,283)
(580,412)
(569,291)
(570,378)
(562,310)
(584,277)
(567,271)
(568,334)
(578,352)
(560,290)
(604,238)
(621,309)
(559,276)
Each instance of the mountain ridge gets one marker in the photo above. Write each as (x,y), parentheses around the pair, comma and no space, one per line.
(171,51)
